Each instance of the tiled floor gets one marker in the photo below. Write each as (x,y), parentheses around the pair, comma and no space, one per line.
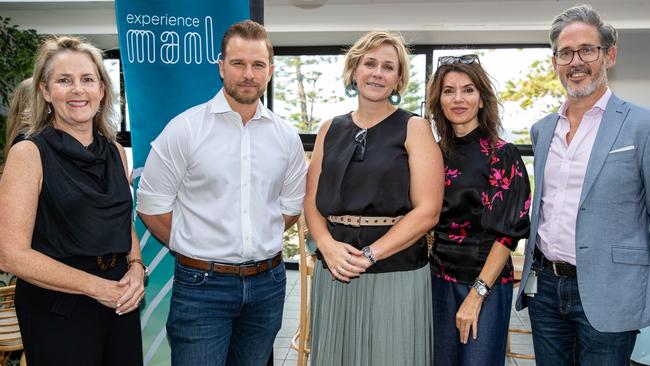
(284,356)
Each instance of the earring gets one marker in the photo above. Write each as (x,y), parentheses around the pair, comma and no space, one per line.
(394,98)
(351,89)
(49,109)
(99,109)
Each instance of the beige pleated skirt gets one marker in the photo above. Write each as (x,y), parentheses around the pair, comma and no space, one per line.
(382,319)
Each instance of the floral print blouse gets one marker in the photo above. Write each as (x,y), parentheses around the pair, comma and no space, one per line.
(487,198)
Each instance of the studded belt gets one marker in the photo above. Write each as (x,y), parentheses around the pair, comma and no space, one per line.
(358,221)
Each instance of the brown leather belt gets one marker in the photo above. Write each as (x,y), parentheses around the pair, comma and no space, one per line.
(242,270)
(358,221)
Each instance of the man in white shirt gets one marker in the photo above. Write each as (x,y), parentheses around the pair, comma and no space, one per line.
(221,184)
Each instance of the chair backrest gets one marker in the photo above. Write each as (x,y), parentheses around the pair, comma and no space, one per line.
(10,339)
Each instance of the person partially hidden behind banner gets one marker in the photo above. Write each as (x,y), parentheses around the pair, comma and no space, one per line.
(221,184)
(586,277)
(374,188)
(65,222)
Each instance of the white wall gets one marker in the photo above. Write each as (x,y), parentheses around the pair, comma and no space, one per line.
(630,77)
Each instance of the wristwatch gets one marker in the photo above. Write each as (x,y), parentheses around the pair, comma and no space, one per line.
(481,287)
(368,253)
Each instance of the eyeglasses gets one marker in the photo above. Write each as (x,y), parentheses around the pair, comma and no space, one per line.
(586,54)
(360,145)
(464,59)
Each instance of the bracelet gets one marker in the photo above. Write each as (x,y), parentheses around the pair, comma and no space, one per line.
(139,261)
(367,251)
(135,260)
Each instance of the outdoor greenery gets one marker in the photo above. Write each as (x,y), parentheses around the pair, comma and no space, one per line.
(16,64)
(540,82)
(298,87)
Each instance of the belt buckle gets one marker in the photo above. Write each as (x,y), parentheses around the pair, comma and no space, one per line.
(243,267)
(555,269)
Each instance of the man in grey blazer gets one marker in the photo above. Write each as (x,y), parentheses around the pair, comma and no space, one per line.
(586,278)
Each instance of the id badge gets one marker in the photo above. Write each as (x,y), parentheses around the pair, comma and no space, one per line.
(531,285)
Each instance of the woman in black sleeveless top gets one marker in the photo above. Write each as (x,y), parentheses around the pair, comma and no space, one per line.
(374,188)
(65,226)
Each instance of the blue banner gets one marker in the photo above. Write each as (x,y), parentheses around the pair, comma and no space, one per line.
(169,51)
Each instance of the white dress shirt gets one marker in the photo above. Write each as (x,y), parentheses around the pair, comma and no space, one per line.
(226,183)
(564,176)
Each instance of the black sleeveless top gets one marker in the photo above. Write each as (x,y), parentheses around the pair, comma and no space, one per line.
(377,186)
(85,204)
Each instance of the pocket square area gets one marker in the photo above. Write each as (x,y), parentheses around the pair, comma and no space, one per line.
(625,148)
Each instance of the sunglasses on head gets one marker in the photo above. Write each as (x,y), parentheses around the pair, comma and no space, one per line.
(452,60)
(360,145)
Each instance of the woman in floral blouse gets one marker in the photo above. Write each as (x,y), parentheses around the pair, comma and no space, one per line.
(484,214)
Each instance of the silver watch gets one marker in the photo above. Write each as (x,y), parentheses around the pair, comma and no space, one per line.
(368,253)
(481,287)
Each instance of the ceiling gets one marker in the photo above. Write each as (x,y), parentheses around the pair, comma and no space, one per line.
(336,22)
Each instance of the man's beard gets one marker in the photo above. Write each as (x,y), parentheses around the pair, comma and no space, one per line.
(231,89)
(588,89)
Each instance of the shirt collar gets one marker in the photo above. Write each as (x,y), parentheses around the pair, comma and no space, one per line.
(218,104)
(600,105)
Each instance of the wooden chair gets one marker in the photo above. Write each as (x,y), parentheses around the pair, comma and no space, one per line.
(10,339)
(300,341)
(518,264)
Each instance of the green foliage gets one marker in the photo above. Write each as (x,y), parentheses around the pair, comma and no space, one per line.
(412,98)
(16,63)
(290,248)
(298,87)
(522,137)
(540,82)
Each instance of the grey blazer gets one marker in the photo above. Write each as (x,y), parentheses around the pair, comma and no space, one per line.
(612,227)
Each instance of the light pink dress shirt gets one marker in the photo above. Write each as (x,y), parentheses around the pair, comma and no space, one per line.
(564,176)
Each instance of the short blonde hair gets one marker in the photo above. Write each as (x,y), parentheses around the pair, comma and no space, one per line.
(43,72)
(370,41)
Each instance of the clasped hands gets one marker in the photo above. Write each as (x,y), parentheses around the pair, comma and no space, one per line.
(124,295)
(344,261)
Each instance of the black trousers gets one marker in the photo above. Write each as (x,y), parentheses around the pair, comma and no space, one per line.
(69,330)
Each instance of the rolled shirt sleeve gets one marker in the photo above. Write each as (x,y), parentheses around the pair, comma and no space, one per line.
(293,190)
(164,169)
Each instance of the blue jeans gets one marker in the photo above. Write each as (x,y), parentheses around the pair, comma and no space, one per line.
(562,335)
(489,348)
(223,319)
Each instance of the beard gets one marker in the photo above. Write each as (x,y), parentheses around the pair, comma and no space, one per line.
(233,89)
(591,87)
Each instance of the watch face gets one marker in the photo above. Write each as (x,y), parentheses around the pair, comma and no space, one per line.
(481,291)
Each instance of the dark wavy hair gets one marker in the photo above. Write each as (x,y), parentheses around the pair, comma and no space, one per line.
(488,116)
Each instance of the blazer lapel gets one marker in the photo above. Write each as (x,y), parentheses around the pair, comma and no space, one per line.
(610,126)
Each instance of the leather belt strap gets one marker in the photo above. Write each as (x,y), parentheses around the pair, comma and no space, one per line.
(559,268)
(358,221)
(242,270)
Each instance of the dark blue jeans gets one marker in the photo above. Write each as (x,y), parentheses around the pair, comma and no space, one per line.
(489,348)
(562,335)
(223,319)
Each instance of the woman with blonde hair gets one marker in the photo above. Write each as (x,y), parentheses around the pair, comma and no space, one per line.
(65,223)
(374,188)
(18,117)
